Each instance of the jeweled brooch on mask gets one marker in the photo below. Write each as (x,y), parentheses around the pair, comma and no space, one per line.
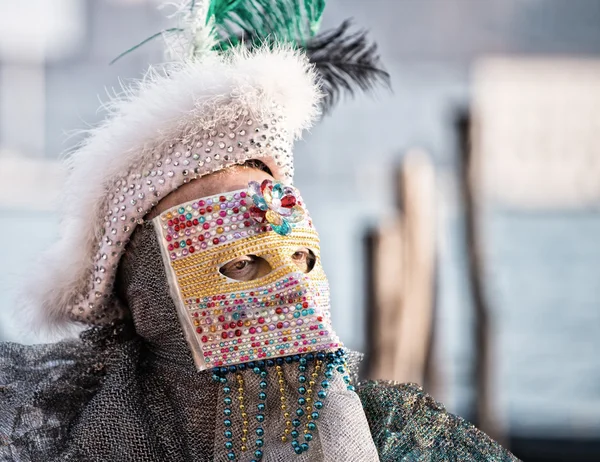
(276,204)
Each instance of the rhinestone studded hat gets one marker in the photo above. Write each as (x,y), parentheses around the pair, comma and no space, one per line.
(190,120)
(229,321)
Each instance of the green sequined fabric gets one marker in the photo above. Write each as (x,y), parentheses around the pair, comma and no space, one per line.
(408,425)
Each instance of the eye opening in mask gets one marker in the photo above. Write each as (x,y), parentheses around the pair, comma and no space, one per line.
(246,268)
(305,259)
(251,267)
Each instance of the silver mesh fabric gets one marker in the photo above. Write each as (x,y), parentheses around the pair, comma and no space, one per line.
(42,390)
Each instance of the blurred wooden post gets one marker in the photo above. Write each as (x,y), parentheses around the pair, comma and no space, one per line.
(485,416)
(403,272)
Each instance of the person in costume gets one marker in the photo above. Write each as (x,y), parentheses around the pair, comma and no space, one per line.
(195,263)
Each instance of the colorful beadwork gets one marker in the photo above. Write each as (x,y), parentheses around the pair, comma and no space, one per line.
(230,322)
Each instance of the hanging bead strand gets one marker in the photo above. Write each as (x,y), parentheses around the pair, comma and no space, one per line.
(304,399)
(310,402)
(227,423)
(243,413)
(259,369)
(284,406)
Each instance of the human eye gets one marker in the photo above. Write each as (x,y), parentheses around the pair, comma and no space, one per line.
(304,259)
(245,268)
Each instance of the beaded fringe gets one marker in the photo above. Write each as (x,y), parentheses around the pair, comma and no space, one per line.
(313,385)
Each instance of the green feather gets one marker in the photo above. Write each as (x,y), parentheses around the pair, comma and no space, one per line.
(143,42)
(255,22)
(265,21)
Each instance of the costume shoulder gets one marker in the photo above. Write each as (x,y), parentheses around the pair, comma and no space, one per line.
(408,424)
(42,390)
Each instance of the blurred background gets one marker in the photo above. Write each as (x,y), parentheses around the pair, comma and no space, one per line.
(459,214)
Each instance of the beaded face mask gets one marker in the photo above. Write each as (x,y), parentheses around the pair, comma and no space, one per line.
(245,274)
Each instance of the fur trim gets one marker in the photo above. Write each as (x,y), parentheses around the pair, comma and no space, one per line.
(169,103)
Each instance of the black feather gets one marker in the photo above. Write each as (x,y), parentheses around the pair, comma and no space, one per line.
(346,62)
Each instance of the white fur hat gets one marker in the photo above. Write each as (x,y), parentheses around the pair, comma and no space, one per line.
(177,124)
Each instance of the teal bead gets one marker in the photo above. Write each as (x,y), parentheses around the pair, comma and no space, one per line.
(228,445)
(341,369)
(295,443)
(181,210)
(262,395)
(260,431)
(227,423)
(188,216)
(258,454)
(301,390)
(298,450)
(294,433)
(296,423)
(302,379)
(263,374)
(351,388)
(311,426)
(261,407)
(227,411)
(259,443)
(303,361)
(297,315)
(318,405)
(231,456)
(322,394)
(325,384)
(304,447)
(260,418)
(201,219)
(328,374)
(315,415)
(302,368)
(308,437)
(256,370)
(223,380)
(263,384)
(301,401)
(299,412)
(228,434)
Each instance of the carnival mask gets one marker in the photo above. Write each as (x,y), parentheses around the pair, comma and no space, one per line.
(245,274)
